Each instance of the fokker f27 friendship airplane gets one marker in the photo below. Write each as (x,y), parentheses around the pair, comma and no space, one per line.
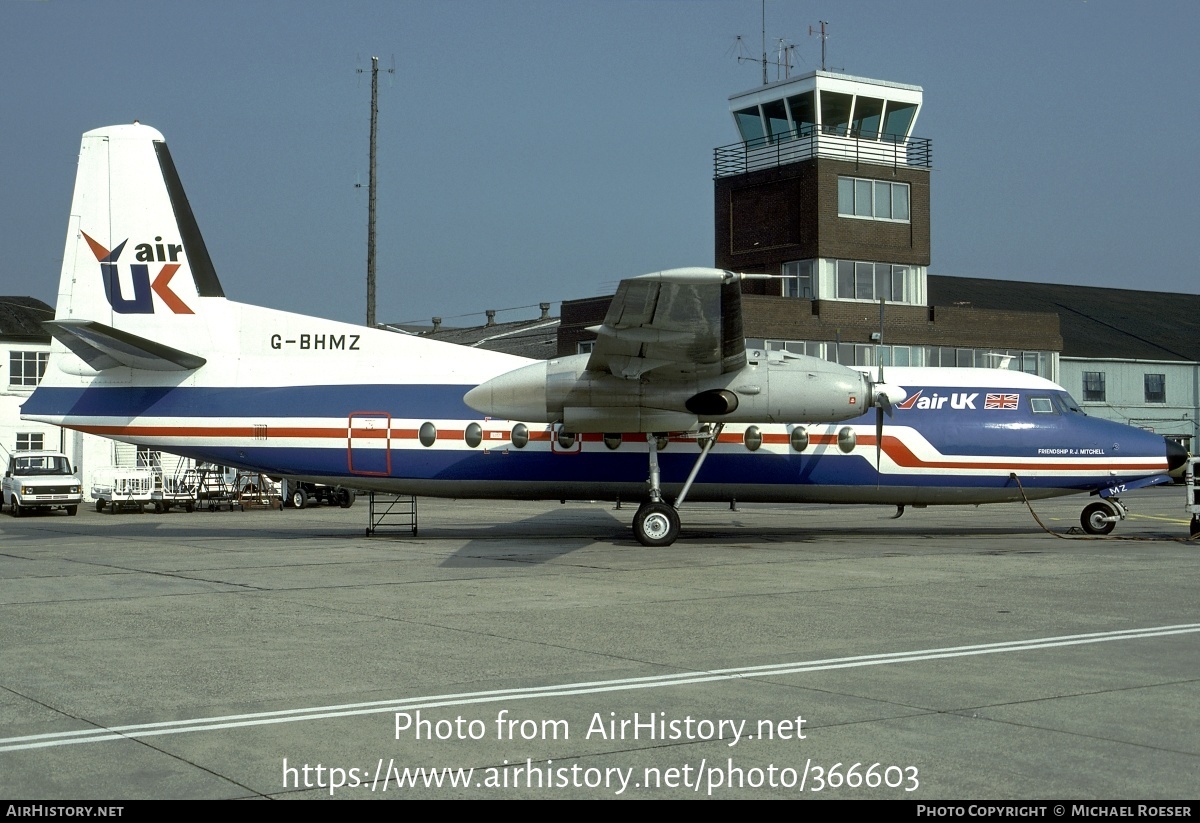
(669,405)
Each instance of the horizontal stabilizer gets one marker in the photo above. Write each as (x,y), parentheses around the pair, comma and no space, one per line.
(103,347)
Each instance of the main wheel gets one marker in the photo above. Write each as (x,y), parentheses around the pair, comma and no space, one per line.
(345,498)
(656,524)
(299,498)
(1095,519)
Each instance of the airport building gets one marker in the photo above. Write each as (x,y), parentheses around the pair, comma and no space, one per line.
(828,191)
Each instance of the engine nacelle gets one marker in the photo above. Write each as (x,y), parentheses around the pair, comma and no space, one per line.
(769,389)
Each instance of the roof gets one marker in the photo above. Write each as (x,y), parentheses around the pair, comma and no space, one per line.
(23,316)
(537,339)
(1098,323)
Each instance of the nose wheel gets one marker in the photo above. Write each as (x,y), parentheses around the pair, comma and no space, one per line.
(1101,517)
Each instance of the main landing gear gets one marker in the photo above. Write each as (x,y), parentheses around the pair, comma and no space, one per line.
(657,522)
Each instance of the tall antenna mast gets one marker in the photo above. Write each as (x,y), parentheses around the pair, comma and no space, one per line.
(371,191)
(764,41)
(824,37)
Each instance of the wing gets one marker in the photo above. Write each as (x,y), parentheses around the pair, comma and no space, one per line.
(672,324)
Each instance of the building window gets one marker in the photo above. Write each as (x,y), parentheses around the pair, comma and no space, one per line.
(873,199)
(859,280)
(26,368)
(30,441)
(1156,388)
(798,279)
(1093,386)
(585,346)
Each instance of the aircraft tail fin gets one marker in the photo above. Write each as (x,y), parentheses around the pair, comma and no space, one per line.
(134,259)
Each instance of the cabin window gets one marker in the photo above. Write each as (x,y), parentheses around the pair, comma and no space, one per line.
(26,368)
(1156,388)
(612,440)
(427,434)
(799,438)
(752,438)
(473,435)
(520,435)
(1093,386)
(566,439)
(1041,405)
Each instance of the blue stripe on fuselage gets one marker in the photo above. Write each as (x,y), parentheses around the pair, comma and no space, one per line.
(415,401)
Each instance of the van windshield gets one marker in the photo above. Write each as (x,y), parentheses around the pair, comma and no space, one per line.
(42,464)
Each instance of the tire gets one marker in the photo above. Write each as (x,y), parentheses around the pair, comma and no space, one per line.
(345,498)
(299,498)
(656,524)
(100,505)
(72,510)
(1094,519)
(17,510)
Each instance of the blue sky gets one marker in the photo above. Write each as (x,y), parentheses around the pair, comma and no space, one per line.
(540,151)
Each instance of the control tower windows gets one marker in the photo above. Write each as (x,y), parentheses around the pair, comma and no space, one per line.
(775,113)
(873,199)
(804,113)
(859,280)
(835,112)
(798,279)
(749,123)
(868,111)
(898,120)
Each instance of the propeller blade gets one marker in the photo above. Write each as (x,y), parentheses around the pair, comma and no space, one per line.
(878,433)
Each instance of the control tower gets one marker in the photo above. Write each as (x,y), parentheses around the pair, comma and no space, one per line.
(828,188)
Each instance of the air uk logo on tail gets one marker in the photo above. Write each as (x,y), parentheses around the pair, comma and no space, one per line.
(142,301)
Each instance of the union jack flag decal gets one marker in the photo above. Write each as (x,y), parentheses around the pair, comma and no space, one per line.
(1001,401)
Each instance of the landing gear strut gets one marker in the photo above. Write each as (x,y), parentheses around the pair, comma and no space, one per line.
(657,522)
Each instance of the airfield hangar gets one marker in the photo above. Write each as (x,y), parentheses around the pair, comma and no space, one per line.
(828,191)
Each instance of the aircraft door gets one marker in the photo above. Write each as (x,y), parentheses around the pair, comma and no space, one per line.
(369,443)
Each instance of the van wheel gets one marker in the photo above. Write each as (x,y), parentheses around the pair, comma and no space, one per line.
(72,510)
(99,505)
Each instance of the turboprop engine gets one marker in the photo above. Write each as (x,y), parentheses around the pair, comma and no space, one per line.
(773,387)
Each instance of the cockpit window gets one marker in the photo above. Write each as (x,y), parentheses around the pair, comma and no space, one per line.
(1041,405)
(1068,403)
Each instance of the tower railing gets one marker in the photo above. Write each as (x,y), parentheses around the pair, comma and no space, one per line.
(830,142)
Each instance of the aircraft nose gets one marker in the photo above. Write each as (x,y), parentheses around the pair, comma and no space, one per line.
(1176,455)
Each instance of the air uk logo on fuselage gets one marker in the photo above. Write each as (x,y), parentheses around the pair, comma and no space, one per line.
(142,301)
(956,400)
